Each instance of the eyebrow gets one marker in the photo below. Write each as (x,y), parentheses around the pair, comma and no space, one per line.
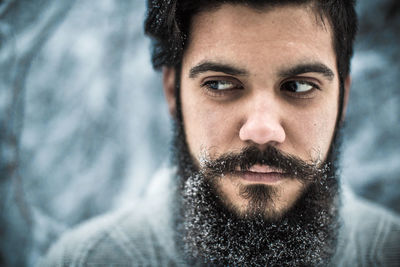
(308,67)
(217,67)
(285,73)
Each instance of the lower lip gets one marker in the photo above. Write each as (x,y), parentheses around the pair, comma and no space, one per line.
(262,177)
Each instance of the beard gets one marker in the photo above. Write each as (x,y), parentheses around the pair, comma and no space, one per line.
(213,232)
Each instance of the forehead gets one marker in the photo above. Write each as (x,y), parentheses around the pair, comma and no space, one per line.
(263,38)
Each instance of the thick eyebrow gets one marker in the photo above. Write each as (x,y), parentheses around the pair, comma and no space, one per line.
(308,67)
(217,67)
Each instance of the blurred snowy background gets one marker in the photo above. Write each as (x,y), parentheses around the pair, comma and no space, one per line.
(83,124)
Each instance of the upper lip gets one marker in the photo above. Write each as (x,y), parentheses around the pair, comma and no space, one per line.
(258,168)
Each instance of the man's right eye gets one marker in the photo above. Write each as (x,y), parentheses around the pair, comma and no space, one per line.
(221,85)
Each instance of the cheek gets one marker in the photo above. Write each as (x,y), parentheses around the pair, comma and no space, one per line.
(207,126)
(311,132)
(326,129)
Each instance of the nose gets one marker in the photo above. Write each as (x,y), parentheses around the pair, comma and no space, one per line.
(262,126)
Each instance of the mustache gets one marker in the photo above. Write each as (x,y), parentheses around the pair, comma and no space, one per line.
(290,165)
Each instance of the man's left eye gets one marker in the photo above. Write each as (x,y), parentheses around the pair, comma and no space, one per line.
(298,86)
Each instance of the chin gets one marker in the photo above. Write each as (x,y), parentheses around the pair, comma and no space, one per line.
(246,200)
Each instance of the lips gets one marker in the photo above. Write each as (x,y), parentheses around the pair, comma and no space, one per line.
(262,174)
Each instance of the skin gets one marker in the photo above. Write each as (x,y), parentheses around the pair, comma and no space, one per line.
(258,110)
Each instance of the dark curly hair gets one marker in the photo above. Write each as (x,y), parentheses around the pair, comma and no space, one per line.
(168,22)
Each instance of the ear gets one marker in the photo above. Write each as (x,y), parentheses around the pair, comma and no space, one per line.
(347,84)
(169,88)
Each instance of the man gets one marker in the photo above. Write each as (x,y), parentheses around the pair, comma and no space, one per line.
(258,91)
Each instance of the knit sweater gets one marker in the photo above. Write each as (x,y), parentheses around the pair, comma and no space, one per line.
(143,235)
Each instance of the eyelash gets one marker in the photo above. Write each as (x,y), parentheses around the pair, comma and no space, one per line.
(307,94)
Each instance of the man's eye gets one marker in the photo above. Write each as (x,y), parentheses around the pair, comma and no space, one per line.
(298,86)
(221,85)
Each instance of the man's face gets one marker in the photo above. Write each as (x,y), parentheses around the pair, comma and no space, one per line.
(258,79)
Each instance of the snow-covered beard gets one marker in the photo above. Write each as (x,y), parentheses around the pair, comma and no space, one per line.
(212,233)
